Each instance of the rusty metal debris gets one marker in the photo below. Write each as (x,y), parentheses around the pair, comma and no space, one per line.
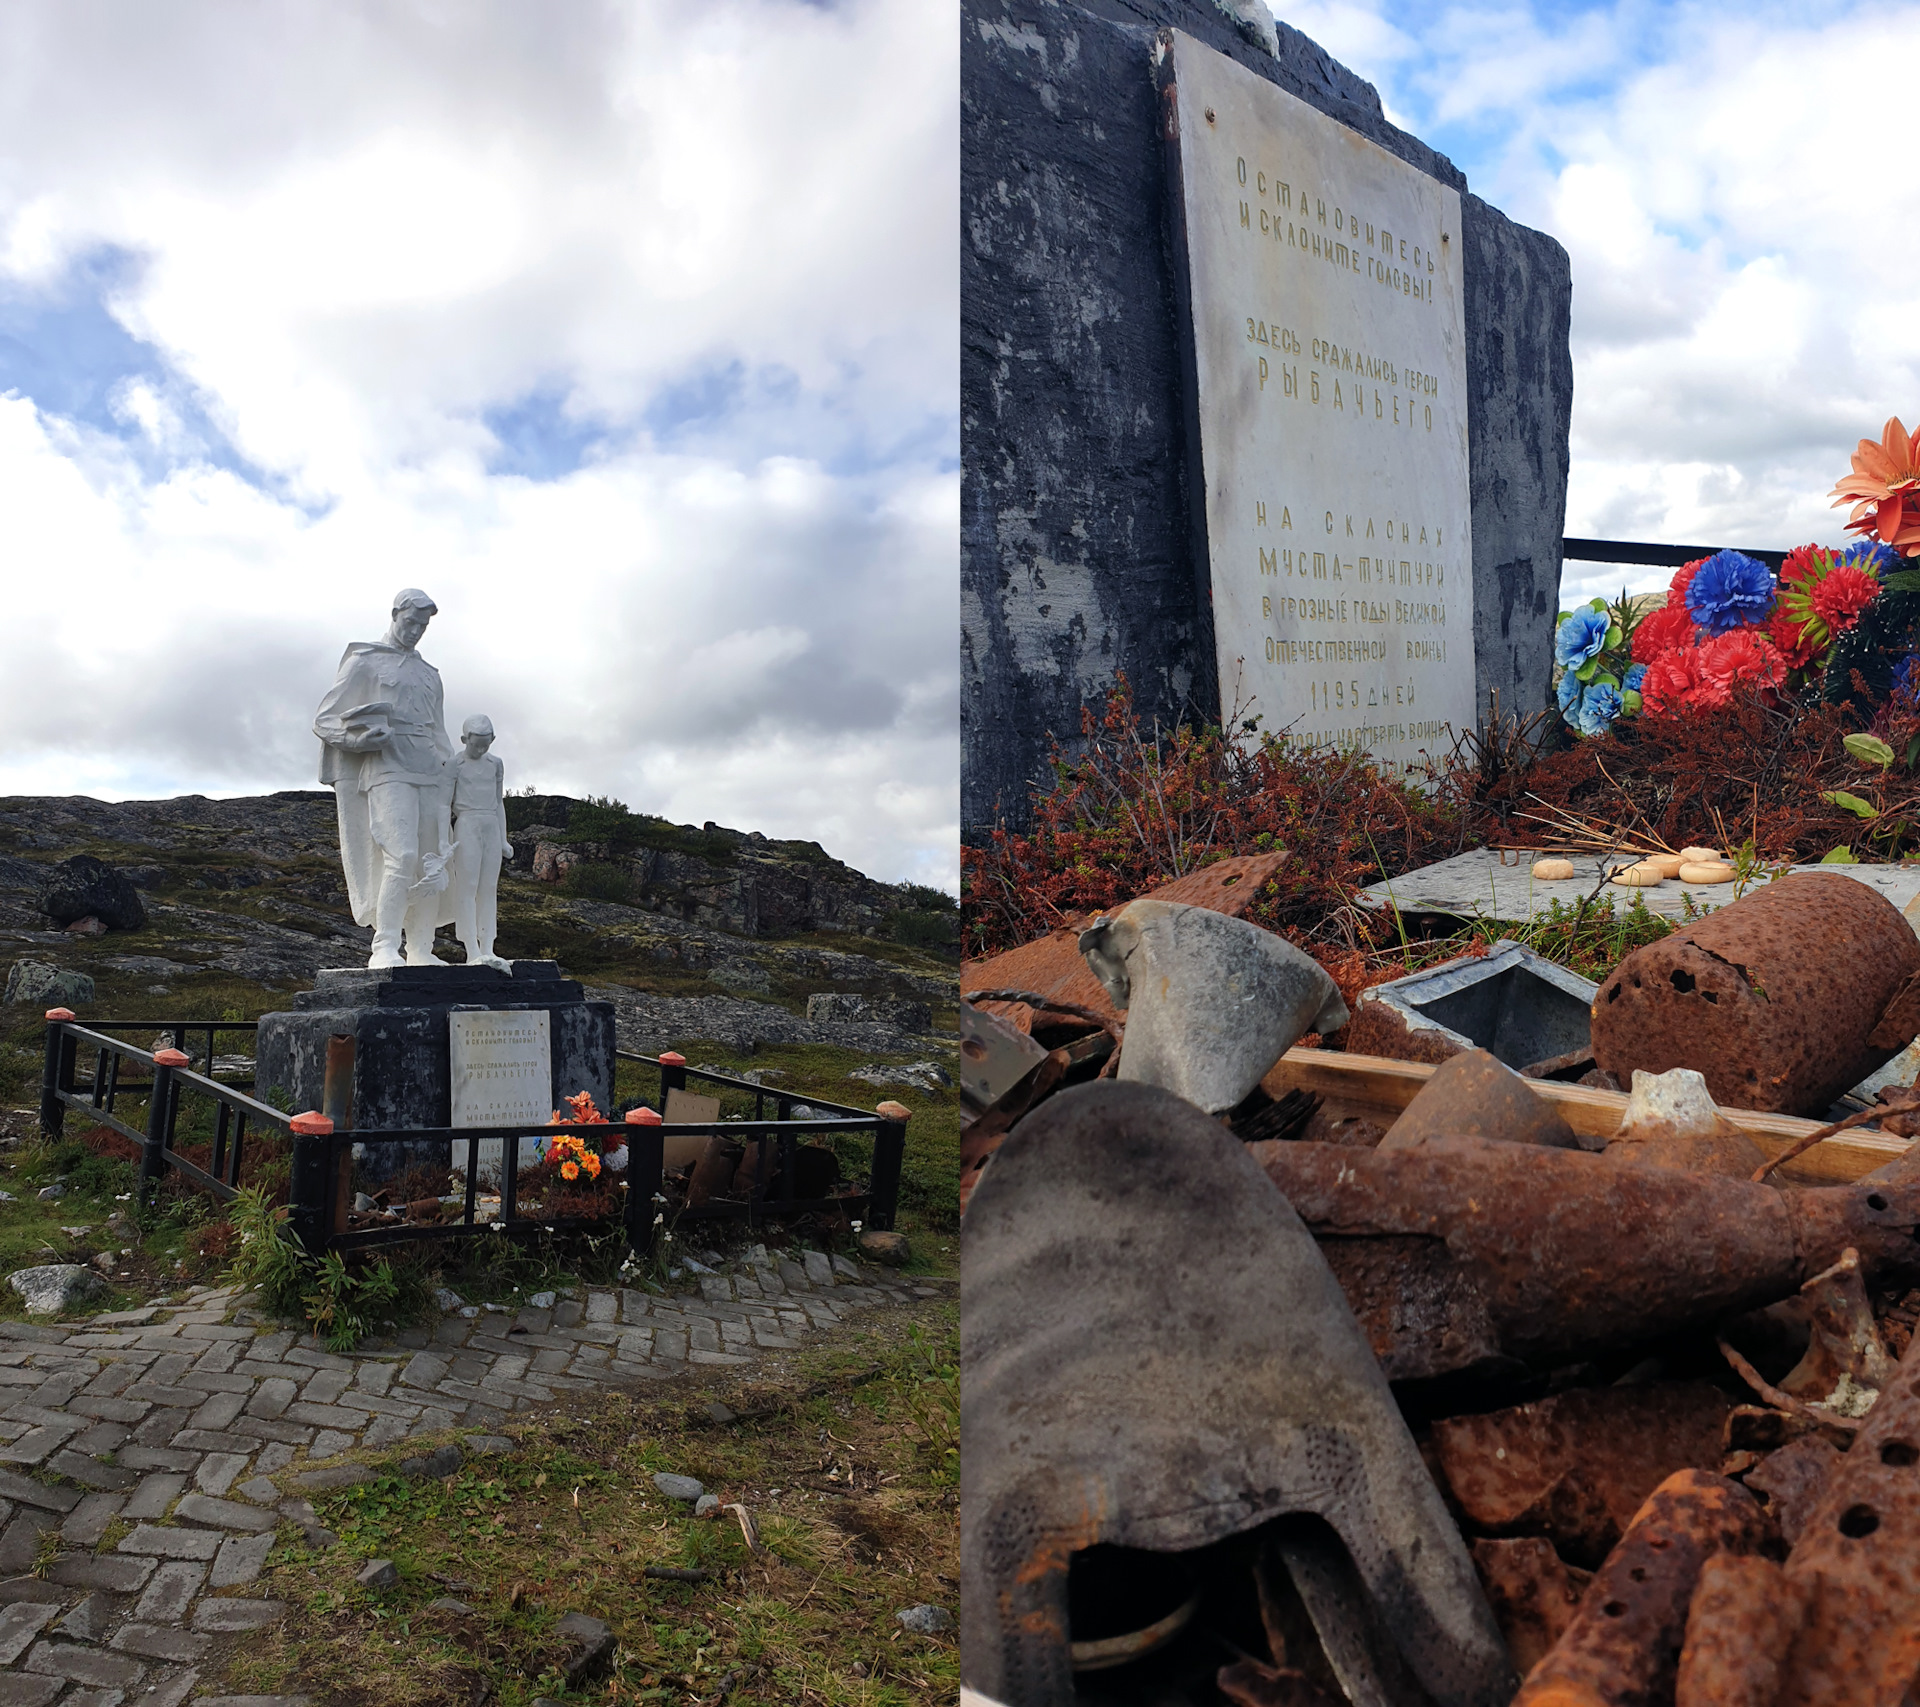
(1846,1364)
(1575,1467)
(1477,1096)
(1783,999)
(1740,1625)
(1131,1381)
(1533,1592)
(1790,1480)
(1624,1644)
(1464,1252)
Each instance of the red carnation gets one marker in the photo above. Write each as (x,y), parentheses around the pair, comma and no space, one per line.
(1741,655)
(1791,638)
(1662,630)
(1804,563)
(1671,679)
(1682,580)
(1840,597)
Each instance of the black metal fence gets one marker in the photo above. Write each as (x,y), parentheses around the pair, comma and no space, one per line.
(320,1149)
(1657,556)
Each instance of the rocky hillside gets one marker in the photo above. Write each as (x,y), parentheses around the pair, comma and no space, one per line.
(693,932)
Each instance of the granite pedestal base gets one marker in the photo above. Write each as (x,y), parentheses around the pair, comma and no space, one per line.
(398,1021)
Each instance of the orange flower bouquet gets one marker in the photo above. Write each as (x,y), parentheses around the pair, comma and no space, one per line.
(569,1180)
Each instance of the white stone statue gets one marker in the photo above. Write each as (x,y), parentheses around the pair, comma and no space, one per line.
(384,750)
(479,841)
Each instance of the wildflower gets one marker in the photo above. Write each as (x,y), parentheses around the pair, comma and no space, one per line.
(1842,594)
(1663,629)
(1582,634)
(1884,487)
(1728,591)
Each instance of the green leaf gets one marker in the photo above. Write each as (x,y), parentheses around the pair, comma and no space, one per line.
(1630,704)
(1596,604)
(1869,750)
(1913,751)
(1902,581)
(1615,635)
(1842,855)
(1849,803)
(1603,678)
(1587,671)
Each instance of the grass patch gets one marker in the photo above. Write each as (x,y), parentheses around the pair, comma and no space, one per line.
(863,1523)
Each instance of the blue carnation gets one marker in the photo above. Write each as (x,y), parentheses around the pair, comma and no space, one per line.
(1582,635)
(1729,591)
(1903,677)
(1569,694)
(1635,677)
(1873,555)
(1599,706)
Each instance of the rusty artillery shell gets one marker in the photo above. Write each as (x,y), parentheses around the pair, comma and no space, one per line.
(1622,1648)
(1858,1559)
(1781,1000)
(1744,1617)
(1459,1252)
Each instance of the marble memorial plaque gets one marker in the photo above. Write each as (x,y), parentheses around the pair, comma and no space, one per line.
(1322,277)
(502,1072)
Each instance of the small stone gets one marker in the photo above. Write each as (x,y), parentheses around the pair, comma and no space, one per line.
(448,1300)
(318,1537)
(469,1311)
(446,1603)
(678,1487)
(722,1414)
(51,1193)
(706,1505)
(594,1645)
(377,1573)
(543,1301)
(441,1462)
(889,1248)
(1552,870)
(89,926)
(924,1620)
(55,1288)
(494,1445)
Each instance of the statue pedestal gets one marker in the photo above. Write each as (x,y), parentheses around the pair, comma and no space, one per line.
(402,1071)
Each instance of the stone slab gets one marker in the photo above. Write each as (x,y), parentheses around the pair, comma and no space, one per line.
(1477,885)
(1325,295)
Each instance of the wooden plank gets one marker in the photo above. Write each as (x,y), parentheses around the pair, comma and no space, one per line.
(1377,1089)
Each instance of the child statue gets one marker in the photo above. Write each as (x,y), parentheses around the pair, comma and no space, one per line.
(479,841)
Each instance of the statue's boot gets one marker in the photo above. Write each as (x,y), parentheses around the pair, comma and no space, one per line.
(1156,1356)
(389,916)
(422,916)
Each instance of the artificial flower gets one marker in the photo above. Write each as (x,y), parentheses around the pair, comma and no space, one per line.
(1872,555)
(1682,580)
(1599,706)
(1663,629)
(1842,594)
(1568,693)
(1730,590)
(1791,635)
(1670,679)
(1740,655)
(569,1170)
(1906,679)
(1884,488)
(1582,634)
(1635,677)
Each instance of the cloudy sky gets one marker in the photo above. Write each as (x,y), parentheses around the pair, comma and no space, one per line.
(1731,179)
(627,330)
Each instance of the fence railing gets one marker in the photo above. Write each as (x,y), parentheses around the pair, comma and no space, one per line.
(1657,556)
(321,1149)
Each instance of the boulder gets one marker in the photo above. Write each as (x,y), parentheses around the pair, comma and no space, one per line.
(47,986)
(881,1010)
(84,886)
(889,1248)
(55,1288)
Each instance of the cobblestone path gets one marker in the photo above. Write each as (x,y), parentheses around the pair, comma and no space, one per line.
(148,1457)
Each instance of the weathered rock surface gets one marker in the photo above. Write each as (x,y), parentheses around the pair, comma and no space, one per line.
(47,986)
(83,888)
(650,1024)
(902,1016)
(55,1288)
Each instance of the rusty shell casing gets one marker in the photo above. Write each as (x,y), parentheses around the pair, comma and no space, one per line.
(1460,1252)
(1858,1560)
(1622,1648)
(1779,1000)
(1745,1614)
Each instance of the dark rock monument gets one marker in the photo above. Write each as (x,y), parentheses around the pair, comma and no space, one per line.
(1078,535)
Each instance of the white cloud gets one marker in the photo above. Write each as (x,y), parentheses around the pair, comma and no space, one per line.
(383,255)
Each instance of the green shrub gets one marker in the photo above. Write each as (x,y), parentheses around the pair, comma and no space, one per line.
(593,880)
(336,1301)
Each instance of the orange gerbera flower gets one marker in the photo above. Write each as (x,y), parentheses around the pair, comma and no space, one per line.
(1884,488)
(569,1170)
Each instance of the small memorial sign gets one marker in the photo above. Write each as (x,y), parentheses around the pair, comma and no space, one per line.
(502,1072)
(1327,394)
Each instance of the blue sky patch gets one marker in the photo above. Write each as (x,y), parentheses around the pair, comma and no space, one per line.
(537,439)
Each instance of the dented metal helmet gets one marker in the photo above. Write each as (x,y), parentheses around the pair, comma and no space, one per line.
(1155,1355)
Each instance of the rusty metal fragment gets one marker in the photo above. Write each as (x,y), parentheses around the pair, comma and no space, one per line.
(1623,1644)
(1671,1122)
(1477,1096)
(1533,1592)
(1846,1364)
(1783,999)
(1464,1252)
(1858,1559)
(1744,1615)
(1576,1467)
(1790,1481)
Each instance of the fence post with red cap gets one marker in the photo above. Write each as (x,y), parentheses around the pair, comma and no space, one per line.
(646,1159)
(153,1156)
(307,1190)
(889,1151)
(673,1074)
(57,1076)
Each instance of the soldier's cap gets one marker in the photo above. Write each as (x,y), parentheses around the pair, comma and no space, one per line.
(411,598)
(477,724)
